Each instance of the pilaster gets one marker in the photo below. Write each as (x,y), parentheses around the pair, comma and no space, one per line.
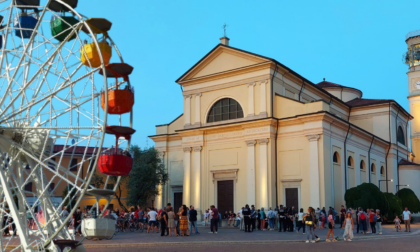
(251,171)
(314,186)
(187,111)
(263,98)
(197,119)
(263,174)
(186,197)
(251,111)
(196,191)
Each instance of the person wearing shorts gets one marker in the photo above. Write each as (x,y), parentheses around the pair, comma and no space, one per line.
(152,219)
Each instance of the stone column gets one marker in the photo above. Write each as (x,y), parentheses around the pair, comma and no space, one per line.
(187,111)
(251,111)
(263,174)
(263,98)
(187,173)
(251,172)
(314,191)
(196,191)
(197,120)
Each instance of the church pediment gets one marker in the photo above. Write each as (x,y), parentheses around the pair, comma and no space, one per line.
(222,59)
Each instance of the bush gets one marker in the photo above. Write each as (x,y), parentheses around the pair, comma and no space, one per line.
(366,195)
(409,199)
(395,207)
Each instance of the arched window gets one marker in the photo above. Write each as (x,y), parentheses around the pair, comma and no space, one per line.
(336,158)
(382,170)
(362,165)
(225,109)
(400,135)
(372,168)
(350,161)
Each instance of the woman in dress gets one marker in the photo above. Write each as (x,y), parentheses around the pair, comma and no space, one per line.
(171,221)
(183,227)
(348,226)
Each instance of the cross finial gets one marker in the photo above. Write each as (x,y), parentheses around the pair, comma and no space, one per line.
(224,29)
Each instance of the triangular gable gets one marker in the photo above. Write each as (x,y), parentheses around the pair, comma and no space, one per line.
(222,58)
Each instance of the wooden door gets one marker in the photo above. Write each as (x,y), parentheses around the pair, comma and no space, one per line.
(225,196)
(177,201)
(292,198)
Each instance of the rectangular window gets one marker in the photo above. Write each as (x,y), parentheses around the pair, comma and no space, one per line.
(51,164)
(73,164)
(28,187)
(52,186)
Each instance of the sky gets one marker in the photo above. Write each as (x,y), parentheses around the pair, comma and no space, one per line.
(353,43)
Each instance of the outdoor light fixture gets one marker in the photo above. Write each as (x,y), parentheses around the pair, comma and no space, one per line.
(391,180)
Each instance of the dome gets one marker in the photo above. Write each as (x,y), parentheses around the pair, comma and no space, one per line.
(342,92)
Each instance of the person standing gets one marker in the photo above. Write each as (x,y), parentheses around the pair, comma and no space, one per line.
(193,219)
(357,219)
(342,215)
(77,216)
(362,220)
(372,221)
(241,227)
(253,217)
(163,221)
(367,213)
(262,218)
(309,222)
(282,218)
(171,221)
(271,218)
(378,221)
(206,218)
(152,219)
(407,219)
(348,226)
(214,219)
(246,212)
(300,223)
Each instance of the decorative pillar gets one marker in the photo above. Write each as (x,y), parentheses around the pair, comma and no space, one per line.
(263,98)
(187,172)
(263,174)
(314,191)
(251,172)
(197,119)
(251,111)
(197,178)
(187,111)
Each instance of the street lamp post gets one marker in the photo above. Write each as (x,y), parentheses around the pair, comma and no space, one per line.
(391,180)
(398,186)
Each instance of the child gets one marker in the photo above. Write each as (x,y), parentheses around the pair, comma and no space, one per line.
(330,227)
(320,222)
(348,226)
(397,223)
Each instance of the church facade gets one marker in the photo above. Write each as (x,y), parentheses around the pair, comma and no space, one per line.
(255,132)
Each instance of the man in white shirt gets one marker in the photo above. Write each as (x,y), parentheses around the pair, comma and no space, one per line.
(240,215)
(152,219)
(407,219)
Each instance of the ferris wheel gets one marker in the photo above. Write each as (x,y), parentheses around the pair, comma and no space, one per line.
(62,81)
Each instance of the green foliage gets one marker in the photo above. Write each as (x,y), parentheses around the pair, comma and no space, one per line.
(69,202)
(148,172)
(409,199)
(97,180)
(395,206)
(366,195)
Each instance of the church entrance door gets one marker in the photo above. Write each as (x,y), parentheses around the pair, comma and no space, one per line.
(225,196)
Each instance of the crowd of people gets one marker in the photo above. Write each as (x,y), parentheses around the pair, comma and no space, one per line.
(183,221)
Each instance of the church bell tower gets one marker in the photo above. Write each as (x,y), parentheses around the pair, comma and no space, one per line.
(412,59)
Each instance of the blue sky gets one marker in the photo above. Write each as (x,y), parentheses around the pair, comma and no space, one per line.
(353,43)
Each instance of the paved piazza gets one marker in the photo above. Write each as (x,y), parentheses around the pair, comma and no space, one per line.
(229,239)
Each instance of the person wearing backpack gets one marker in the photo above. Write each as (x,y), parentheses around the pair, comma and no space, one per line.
(373,218)
(271,217)
(362,220)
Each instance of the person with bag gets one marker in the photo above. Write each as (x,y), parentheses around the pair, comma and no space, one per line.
(310,225)
(271,217)
(330,226)
(362,220)
(300,223)
(378,221)
(373,219)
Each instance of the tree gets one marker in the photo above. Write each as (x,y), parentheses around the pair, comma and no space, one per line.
(366,195)
(147,174)
(409,200)
(123,184)
(395,206)
(97,180)
(69,202)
